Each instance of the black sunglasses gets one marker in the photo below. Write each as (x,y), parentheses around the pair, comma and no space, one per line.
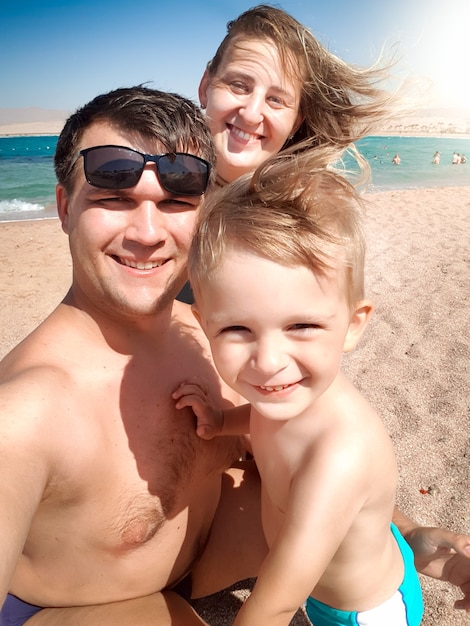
(118,167)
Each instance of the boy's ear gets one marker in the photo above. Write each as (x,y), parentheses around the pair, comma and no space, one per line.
(62,203)
(203,87)
(359,319)
(197,315)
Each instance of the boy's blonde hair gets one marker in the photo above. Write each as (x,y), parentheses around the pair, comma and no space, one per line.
(340,103)
(292,211)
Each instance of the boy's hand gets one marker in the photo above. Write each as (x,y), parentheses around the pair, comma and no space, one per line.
(194,393)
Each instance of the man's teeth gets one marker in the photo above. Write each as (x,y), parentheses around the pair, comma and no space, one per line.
(276,388)
(140,265)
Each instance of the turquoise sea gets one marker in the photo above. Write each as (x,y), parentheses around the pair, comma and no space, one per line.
(27,179)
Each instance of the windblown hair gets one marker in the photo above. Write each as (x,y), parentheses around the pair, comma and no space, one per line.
(291,211)
(340,103)
(166,119)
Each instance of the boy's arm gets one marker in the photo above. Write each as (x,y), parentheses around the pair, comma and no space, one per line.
(236,420)
(439,553)
(211,421)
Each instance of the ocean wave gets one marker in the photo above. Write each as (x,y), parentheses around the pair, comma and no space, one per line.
(19,206)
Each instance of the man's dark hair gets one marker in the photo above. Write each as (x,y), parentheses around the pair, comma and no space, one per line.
(169,120)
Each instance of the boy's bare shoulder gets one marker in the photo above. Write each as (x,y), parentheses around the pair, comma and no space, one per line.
(349,405)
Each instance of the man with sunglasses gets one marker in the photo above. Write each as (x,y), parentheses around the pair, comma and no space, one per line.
(108,496)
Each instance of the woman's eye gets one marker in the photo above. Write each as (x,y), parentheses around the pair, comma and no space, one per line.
(275,101)
(239,87)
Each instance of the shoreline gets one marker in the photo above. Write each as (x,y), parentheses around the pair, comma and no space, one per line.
(46,213)
(49,212)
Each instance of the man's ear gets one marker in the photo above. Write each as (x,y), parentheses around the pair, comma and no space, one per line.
(360,317)
(62,202)
(203,87)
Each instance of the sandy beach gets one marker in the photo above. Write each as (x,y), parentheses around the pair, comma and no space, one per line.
(413,363)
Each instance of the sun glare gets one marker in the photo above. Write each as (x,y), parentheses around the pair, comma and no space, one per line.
(444,52)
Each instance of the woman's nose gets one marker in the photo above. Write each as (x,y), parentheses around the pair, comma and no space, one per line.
(252,109)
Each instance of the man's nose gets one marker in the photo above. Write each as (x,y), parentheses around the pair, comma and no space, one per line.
(147,222)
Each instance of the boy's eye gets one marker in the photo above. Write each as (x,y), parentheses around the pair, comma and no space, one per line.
(304,326)
(234,329)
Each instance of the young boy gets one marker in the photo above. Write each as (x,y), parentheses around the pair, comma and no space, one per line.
(277,269)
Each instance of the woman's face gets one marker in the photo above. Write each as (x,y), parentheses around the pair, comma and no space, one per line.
(252,107)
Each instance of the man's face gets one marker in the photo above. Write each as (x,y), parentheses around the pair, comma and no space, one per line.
(129,247)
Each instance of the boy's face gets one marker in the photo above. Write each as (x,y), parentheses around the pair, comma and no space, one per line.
(278,333)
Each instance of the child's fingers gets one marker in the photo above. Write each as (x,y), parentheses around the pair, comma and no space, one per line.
(190,400)
(205,431)
(188,389)
(197,382)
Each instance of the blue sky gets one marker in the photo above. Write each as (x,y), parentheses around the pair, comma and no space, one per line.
(58,54)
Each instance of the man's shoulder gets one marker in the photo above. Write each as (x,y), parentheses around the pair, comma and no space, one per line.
(35,383)
(37,370)
(33,402)
(183,312)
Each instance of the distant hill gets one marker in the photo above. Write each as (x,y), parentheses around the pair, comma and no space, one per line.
(429,121)
(32,114)
(436,121)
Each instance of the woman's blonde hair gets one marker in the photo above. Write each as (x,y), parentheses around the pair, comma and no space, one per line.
(340,103)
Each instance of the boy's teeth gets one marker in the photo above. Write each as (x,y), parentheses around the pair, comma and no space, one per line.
(276,388)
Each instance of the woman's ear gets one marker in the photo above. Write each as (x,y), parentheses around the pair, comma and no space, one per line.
(62,202)
(203,87)
(360,317)
(298,123)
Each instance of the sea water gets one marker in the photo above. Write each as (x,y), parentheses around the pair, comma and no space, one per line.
(416,169)
(27,179)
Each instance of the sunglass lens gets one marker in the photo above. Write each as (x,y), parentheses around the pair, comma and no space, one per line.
(183,174)
(113,167)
